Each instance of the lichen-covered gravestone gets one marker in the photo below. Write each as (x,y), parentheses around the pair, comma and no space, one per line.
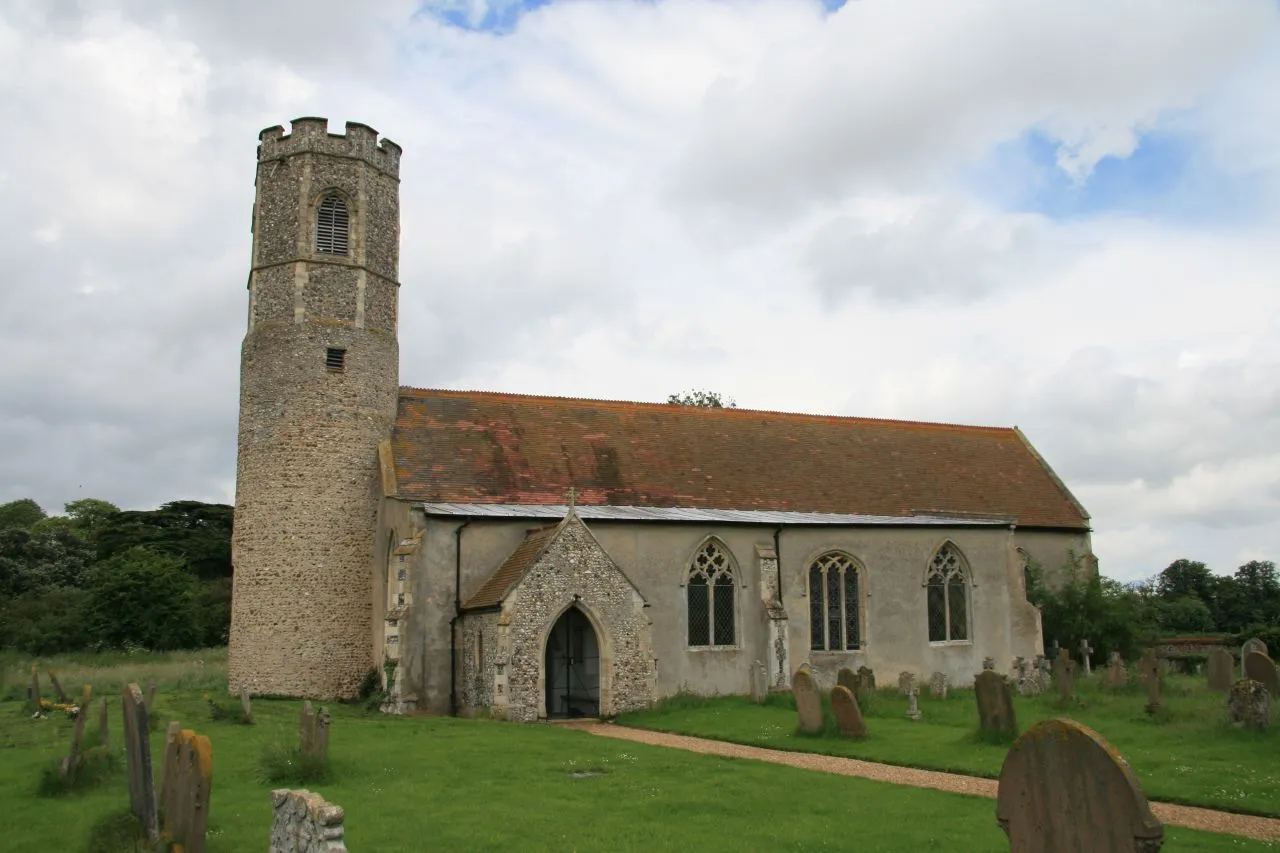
(938,684)
(1065,672)
(808,700)
(1249,705)
(1260,668)
(1117,673)
(846,677)
(1153,675)
(305,823)
(1063,789)
(906,682)
(137,751)
(913,707)
(848,715)
(759,682)
(866,683)
(995,704)
(1221,669)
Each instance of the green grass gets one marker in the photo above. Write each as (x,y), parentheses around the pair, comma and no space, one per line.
(411,784)
(1187,754)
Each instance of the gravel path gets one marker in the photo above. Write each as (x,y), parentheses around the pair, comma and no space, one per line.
(1260,828)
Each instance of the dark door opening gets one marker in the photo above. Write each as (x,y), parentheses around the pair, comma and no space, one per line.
(573,667)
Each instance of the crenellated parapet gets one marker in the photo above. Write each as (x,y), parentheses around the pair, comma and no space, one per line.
(311,134)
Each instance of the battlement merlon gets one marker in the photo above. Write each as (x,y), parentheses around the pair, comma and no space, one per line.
(312,134)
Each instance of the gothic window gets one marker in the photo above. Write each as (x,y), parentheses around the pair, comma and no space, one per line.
(835,622)
(333,225)
(711,597)
(947,596)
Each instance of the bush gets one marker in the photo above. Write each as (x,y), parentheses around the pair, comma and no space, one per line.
(95,766)
(121,832)
(282,763)
(45,623)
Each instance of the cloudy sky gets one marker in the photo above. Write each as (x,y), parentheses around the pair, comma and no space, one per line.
(1056,215)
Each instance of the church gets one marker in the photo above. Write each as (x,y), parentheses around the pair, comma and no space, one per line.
(526,558)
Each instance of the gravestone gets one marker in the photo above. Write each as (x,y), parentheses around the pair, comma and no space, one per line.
(866,683)
(151,695)
(306,728)
(1260,668)
(848,715)
(988,663)
(1251,645)
(137,750)
(995,704)
(1085,651)
(74,757)
(1153,676)
(321,745)
(913,706)
(846,677)
(1043,677)
(906,682)
(104,729)
(759,682)
(939,683)
(1249,705)
(1221,669)
(808,700)
(185,792)
(1065,673)
(1063,789)
(246,707)
(1117,673)
(57,688)
(304,823)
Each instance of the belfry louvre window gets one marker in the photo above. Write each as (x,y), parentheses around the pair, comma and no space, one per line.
(335,359)
(711,598)
(947,596)
(333,225)
(835,622)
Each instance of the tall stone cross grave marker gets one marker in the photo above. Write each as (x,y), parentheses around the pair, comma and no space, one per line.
(1153,675)
(1085,651)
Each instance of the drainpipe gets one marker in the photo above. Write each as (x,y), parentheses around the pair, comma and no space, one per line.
(777,554)
(457,612)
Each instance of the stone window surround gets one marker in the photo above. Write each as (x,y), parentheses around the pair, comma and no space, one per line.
(739,584)
(864,608)
(969,586)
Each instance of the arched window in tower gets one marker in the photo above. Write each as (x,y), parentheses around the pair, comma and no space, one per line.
(947,596)
(333,225)
(711,597)
(835,617)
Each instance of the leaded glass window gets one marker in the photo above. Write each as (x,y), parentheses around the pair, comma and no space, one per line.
(947,596)
(834,605)
(712,607)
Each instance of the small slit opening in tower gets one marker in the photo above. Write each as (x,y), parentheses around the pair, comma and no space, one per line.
(335,359)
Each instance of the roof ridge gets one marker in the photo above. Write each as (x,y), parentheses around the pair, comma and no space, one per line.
(411,391)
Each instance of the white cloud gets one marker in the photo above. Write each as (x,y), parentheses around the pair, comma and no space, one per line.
(626,199)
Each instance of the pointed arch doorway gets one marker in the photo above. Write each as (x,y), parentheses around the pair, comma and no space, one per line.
(572,667)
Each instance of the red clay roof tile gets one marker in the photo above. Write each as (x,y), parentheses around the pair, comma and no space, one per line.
(485,447)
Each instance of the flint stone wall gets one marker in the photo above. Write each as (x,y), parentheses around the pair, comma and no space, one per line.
(576,569)
(478,648)
(305,823)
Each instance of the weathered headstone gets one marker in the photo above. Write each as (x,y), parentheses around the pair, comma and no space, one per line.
(321,745)
(1117,674)
(808,700)
(1064,671)
(866,683)
(1260,668)
(57,687)
(104,729)
(995,704)
(938,684)
(1153,675)
(759,682)
(137,749)
(988,663)
(306,728)
(74,757)
(846,677)
(188,783)
(1253,644)
(906,682)
(1221,669)
(305,823)
(913,706)
(246,707)
(151,695)
(1063,789)
(1085,651)
(848,715)
(1249,705)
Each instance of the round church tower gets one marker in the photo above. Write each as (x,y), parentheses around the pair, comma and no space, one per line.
(319,380)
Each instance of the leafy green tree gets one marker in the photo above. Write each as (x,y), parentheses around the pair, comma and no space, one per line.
(144,598)
(44,623)
(34,561)
(22,513)
(1112,616)
(1185,577)
(1185,615)
(197,533)
(702,399)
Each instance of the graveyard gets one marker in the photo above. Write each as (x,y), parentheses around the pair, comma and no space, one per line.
(417,783)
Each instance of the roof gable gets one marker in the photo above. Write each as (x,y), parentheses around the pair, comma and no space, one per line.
(489,448)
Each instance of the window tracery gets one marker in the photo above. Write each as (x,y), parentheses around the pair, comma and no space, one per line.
(711,598)
(947,596)
(835,615)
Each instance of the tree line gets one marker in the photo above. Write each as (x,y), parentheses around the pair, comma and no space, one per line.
(98,577)
(1186,598)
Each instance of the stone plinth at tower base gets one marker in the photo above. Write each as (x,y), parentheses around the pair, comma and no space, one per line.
(305,823)
(1063,789)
